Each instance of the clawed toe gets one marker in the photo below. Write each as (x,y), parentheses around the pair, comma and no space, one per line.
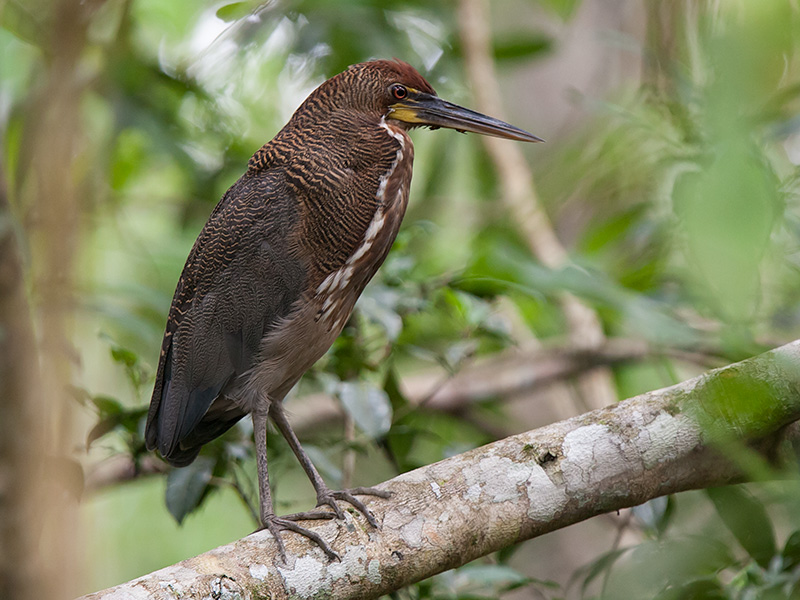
(330,500)
(360,506)
(370,491)
(311,515)
(276,525)
(330,497)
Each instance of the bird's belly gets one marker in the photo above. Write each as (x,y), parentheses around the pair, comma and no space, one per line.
(288,351)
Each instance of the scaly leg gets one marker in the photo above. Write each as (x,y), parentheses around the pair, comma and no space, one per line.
(324,494)
(269,520)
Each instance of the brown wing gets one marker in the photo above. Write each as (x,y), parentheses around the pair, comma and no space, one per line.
(238,281)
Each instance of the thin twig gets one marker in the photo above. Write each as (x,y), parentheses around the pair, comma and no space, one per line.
(349,454)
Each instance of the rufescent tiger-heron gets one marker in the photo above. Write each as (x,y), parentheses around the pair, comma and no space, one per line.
(277,269)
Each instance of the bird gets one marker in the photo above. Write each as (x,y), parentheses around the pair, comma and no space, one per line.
(276,271)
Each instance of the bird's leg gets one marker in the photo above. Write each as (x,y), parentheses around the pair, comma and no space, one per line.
(269,520)
(324,494)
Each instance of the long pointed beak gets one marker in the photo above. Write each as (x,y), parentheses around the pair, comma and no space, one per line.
(426,110)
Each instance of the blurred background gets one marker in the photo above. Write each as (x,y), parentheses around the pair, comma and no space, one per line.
(654,236)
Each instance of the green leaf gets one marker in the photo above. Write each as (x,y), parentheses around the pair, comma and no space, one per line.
(124,356)
(478,581)
(705,588)
(496,575)
(457,353)
(101,428)
(791,551)
(503,263)
(655,514)
(521,46)
(563,8)
(368,405)
(132,420)
(234,11)
(660,565)
(745,516)
(17,19)
(598,567)
(400,437)
(726,211)
(187,486)
(128,158)
(403,434)
(475,311)
(391,386)
(107,405)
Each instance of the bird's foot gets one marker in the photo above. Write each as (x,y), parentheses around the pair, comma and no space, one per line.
(276,525)
(329,497)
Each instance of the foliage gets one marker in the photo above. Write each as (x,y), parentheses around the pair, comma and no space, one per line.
(708,566)
(678,195)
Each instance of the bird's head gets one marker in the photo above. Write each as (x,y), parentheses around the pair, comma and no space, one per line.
(405,99)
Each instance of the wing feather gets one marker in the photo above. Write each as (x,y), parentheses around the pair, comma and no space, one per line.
(238,281)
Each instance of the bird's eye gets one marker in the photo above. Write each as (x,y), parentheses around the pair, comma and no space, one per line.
(399,91)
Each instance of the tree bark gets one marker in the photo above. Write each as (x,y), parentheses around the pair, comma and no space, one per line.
(21,433)
(696,434)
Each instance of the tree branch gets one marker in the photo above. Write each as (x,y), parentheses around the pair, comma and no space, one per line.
(449,513)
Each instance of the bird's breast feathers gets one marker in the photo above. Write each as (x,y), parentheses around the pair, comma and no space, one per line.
(340,288)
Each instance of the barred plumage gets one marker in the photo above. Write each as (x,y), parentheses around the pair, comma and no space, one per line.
(278,267)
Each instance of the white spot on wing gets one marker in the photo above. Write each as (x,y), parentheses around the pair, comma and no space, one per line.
(347,273)
(375,226)
(369,237)
(326,284)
